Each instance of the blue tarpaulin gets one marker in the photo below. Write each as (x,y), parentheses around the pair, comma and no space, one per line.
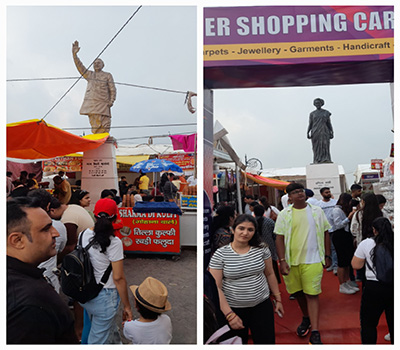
(157,207)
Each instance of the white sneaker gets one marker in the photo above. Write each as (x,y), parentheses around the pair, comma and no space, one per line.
(345,289)
(353,286)
(387,337)
(335,271)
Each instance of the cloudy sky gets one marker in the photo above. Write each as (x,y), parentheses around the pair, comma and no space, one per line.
(157,48)
(271,123)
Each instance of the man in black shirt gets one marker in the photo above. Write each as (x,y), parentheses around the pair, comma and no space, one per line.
(35,312)
(123,186)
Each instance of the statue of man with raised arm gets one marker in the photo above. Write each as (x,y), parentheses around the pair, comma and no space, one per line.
(100,93)
(320,132)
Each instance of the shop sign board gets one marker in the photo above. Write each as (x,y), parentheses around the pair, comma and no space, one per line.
(377,164)
(149,232)
(184,160)
(66,164)
(188,201)
(98,168)
(297,34)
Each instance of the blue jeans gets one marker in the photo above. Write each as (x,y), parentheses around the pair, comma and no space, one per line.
(101,311)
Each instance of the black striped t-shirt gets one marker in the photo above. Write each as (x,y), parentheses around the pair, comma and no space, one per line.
(243,282)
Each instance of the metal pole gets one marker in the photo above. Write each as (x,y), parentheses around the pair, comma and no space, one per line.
(239,195)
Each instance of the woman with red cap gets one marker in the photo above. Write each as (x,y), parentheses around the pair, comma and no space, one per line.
(107,249)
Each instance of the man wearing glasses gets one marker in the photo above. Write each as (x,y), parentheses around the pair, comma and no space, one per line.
(303,246)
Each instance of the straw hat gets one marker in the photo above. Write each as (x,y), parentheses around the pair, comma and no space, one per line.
(152,294)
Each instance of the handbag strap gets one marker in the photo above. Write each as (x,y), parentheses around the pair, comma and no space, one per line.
(107,273)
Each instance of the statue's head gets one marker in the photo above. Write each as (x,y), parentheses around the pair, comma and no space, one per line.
(98,65)
(318,102)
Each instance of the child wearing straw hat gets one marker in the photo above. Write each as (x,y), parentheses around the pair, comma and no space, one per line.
(153,326)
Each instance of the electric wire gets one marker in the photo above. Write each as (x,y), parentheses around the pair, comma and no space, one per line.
(136,126)
(116,83)
(152,136)
(72,86)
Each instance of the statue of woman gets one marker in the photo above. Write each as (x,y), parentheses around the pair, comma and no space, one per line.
(320,132)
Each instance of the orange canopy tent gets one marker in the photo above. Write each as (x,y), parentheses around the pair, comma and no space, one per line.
(279,184)
(35,139)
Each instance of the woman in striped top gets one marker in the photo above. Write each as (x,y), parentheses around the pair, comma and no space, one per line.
(245,278)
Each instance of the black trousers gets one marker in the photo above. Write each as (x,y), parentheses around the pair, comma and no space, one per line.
(260,320)
(376,298)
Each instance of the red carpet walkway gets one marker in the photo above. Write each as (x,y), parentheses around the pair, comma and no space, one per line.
(339,317)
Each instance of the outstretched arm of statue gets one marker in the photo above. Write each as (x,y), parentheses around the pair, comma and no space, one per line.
(79,65)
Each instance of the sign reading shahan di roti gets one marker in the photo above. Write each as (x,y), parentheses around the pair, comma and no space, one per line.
(149,232)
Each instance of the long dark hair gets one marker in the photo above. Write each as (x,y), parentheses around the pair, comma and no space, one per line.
(345,202)
(385,236)
(256,239)
(164,179)
(224,213)
(370,212)
(103,231)
(259,211)
(264,202)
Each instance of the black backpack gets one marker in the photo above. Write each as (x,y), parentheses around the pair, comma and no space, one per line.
(383,265)
(77,277)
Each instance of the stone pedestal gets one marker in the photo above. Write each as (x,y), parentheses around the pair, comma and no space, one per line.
(99,170)
(323,175)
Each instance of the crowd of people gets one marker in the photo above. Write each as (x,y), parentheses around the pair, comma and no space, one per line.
(252,251)
(42,228)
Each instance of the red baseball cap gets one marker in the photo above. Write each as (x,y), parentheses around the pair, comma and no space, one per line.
(105,205)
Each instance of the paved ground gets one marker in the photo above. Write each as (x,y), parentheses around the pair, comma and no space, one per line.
(179,275)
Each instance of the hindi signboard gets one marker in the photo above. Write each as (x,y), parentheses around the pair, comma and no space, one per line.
(149,232)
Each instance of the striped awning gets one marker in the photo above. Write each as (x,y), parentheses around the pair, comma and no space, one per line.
(278,184)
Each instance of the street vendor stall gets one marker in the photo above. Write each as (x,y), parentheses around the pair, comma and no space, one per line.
(151,227)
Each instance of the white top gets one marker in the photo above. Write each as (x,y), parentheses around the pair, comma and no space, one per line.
(243,283)
(327,207)
(158,331)
(313,201)
(339,219)
(267,213)
(284,200)
(51,263)
(100,261)
(192,181)
(363,251)
(75,214)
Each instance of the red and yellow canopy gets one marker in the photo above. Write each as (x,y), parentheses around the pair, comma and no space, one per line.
(279,184)
(35,139)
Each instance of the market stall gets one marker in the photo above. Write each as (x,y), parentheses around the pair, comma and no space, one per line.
(151,227)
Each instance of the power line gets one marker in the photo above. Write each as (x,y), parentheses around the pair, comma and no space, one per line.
(93,61)
(153,136)
(116,83)
(137,126)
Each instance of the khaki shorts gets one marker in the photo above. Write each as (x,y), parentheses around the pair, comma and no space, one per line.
(304,277)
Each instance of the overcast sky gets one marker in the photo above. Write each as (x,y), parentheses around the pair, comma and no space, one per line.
(276,122)
(157,48)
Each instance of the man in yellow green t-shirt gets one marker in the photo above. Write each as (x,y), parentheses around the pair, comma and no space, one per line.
(303,247)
